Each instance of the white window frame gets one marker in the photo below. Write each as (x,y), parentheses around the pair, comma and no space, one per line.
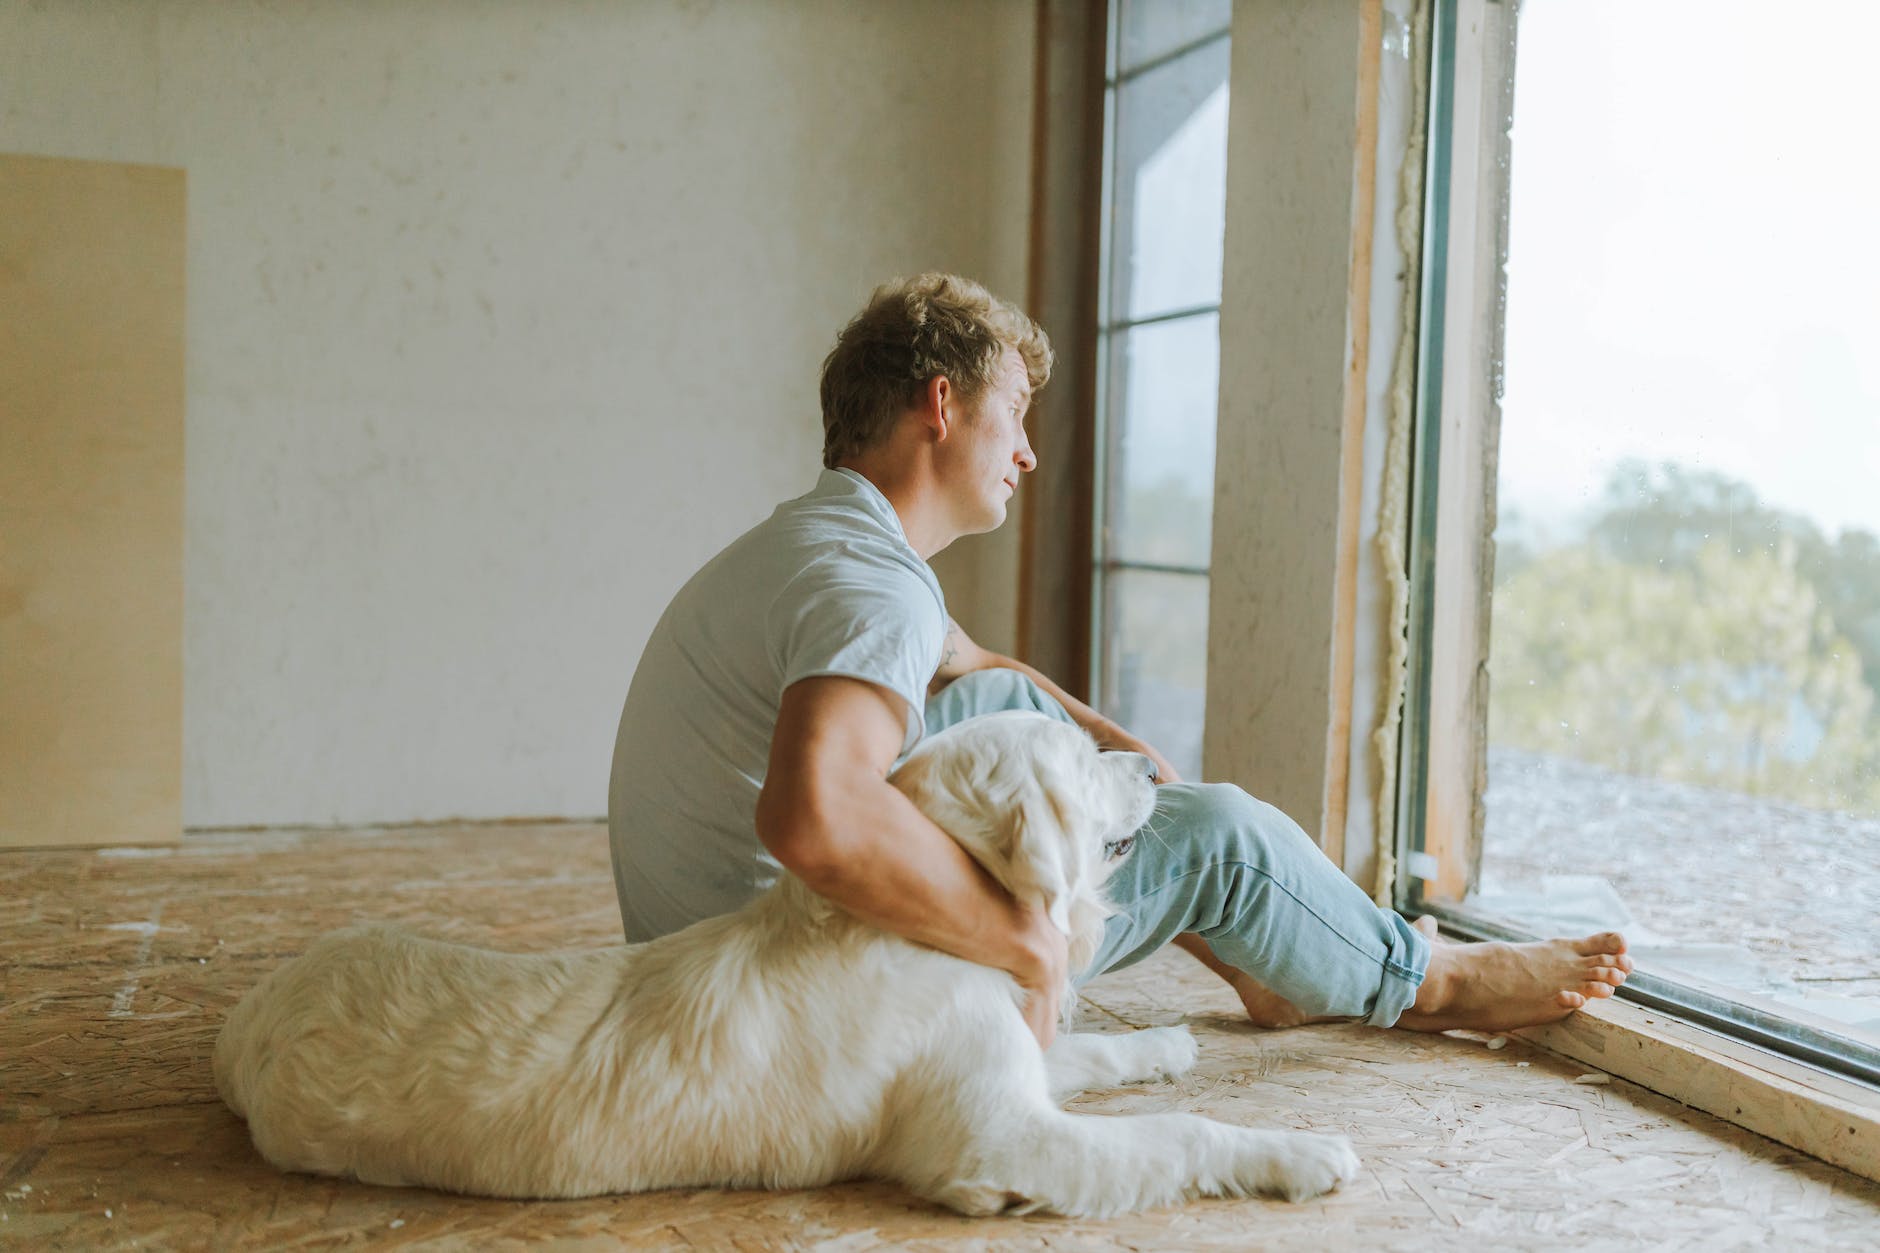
(1720,1053)
(1110,326)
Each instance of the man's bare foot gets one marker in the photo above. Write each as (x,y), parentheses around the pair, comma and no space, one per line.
(1497,987)
(1479,987)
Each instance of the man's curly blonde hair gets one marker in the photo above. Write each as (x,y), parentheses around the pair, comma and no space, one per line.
(913,331)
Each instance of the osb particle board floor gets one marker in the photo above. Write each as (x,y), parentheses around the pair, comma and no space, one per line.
(120,963)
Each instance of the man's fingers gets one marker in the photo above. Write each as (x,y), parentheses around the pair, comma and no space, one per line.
(1041,1017)
(1044,975)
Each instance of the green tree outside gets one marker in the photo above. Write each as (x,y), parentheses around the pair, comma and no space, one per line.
(1692,633)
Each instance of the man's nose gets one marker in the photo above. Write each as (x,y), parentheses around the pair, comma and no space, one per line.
(1027,460)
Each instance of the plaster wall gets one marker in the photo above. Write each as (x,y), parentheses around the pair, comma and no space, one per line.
(501,320)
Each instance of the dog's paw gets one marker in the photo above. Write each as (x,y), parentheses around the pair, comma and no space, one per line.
(1163,1052)
(979,1199)
(1304,1165)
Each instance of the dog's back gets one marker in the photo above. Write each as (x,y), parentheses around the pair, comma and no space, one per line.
(378,1051)
(401,1060)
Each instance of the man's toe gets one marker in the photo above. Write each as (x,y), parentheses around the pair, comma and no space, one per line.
(1606,942)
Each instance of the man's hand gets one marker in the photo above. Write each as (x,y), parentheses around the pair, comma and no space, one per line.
(1044,974)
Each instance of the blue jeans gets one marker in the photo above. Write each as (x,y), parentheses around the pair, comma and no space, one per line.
(1239,873)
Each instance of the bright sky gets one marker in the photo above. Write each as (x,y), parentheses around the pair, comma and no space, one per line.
(1694,251)
(1174,382)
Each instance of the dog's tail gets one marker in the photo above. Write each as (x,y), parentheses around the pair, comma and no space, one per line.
(233,1064)
(253,1031)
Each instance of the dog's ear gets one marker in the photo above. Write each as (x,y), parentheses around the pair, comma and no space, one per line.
(1041,853)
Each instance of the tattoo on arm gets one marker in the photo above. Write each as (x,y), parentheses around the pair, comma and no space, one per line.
(952,648)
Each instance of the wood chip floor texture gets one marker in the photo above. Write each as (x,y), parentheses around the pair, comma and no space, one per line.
(120,963)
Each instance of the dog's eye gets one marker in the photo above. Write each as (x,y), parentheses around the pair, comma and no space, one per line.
(1113,849)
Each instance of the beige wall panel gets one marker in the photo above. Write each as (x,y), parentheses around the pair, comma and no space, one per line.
(1281,480)
(91,502)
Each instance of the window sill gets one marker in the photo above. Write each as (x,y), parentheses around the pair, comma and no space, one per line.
(1823,1115)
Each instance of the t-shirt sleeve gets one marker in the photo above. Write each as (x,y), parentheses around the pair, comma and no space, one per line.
(881,626)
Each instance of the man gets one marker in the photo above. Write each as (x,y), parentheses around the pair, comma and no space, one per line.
(788,677)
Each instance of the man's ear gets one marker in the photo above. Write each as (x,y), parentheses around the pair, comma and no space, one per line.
(1040,855)
(935,414)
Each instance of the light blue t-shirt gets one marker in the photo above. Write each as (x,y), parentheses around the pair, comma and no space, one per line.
(827,585)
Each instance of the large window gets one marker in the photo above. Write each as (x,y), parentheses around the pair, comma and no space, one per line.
(1683,661)
(1159,348)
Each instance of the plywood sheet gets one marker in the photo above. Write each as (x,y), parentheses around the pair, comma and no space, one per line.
(91,502)
(120,966)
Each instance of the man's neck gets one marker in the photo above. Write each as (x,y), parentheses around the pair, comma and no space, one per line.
(915,501)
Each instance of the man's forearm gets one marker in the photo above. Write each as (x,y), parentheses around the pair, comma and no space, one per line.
(1106,733)
(1101,728)
(883,861)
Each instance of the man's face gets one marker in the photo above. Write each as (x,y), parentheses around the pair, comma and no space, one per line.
(992,448)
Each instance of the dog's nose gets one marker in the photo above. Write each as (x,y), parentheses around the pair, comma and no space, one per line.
(1144,763)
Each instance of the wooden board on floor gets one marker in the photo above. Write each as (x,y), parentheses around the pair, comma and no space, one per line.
(91,502)
(1835,1119)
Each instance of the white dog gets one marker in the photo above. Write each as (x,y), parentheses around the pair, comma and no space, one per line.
(784,1046)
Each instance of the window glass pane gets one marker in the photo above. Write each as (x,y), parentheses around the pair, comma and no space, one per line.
(1153,27)
(1155,665)
(1169,197)
(1685,654)
(1164,387)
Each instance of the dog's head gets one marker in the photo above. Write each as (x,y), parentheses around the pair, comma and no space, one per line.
(1035,802)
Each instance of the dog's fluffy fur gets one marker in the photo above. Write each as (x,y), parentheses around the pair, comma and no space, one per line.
(785,1045)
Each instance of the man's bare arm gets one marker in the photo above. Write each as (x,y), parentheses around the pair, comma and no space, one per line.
(962,656)
(828,813)
(958,656)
